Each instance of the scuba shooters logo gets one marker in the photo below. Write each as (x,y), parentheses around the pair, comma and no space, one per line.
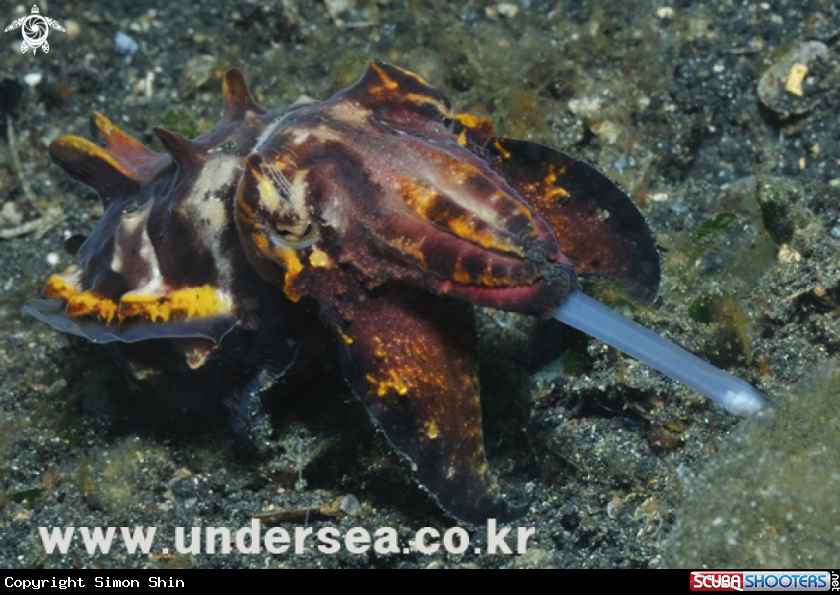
(35,29)
(757,580)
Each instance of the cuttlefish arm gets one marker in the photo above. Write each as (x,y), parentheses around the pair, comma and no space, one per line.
(410,357)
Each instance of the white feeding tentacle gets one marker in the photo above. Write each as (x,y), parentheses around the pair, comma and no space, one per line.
(594,318)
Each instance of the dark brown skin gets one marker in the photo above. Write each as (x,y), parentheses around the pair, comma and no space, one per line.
(383,206)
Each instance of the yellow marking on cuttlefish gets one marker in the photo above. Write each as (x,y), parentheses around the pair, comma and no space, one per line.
(553,191)
(183,304)
(505,153)
(557,191)
(244,211)
(425,99)
(89,302)
(293,268)
(423,200)
(227,90)
(259,241)
(107,129)
(91,150)
(415,249)
(387,81)
(465,228)
(420,198)
(198,302)
(488,279)
(485,279)
(269,196)
(394,381)
(459,274)
(432,431)
(318,258)
(188,303)
(390,86)
(285,257)
(346,338)
(58,286)
(156,308)
(481,127)
(102,123)
(414,76)
(468,120)
(391,83)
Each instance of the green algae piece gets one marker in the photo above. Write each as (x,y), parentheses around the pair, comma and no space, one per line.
(774,206)
(715,224)
(700,309)
(576,361)
(769,499)
(179,119)
(721,307)
(28,496)
(710,236)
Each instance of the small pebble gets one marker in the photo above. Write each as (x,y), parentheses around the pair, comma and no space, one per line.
(784,88)
(796,76)
(33,78)
(507,9)
(10,215)
(350,505)
(788,255)
(125,43)
(72,28)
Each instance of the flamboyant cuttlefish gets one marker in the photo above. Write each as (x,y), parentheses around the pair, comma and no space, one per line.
(390,212)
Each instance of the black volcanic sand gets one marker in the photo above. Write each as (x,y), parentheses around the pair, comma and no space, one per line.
(624,468)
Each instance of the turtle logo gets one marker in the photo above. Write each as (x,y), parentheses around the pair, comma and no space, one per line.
(35,29)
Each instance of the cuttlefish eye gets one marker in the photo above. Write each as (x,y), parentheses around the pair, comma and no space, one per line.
(275,200)
(296,235)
